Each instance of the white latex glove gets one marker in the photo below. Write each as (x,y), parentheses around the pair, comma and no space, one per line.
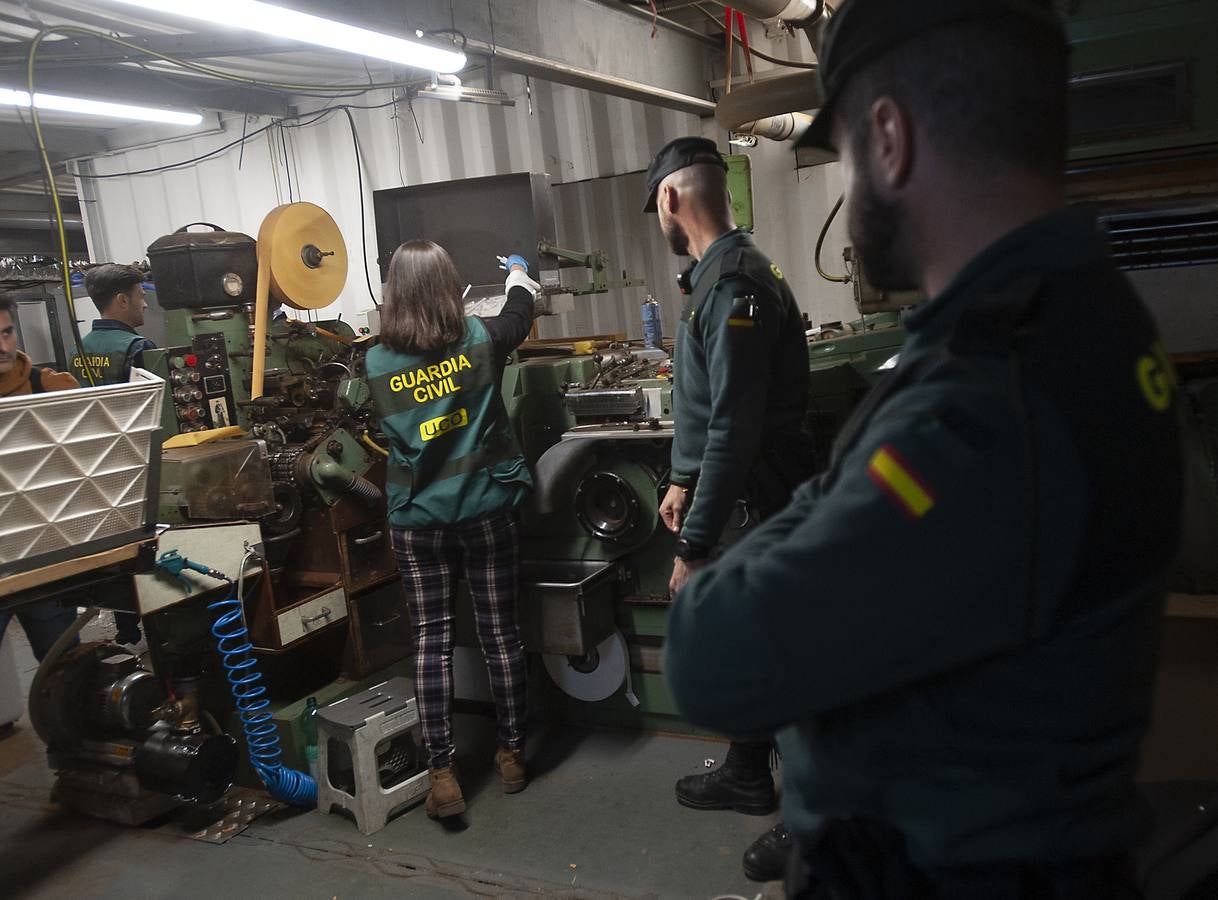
(518,277)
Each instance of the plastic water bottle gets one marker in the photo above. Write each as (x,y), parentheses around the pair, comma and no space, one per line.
(653,329)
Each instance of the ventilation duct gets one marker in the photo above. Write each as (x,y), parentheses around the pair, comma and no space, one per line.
(797,12)
(765,108)
(787,127)
(1167,238)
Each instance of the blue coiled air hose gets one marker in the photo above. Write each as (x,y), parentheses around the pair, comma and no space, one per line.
(261,733)
(241,668)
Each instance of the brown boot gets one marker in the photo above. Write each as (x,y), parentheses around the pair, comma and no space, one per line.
(510,766)
(445,798)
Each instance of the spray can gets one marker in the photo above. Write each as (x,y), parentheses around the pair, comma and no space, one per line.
(653,329)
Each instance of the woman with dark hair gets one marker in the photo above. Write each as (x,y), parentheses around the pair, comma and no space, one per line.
(456,476)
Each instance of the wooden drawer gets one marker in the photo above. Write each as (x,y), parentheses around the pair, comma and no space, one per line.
(311,616)
(380,630)
(367,559)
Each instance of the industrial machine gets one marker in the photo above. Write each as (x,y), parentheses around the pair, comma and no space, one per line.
(277,580)
(596,426)
(271,473)
(122,748)
(295,452)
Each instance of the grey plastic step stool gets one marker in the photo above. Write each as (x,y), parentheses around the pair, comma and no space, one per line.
(367,724)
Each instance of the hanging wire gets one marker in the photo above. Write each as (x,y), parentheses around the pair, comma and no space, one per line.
(397,136)
(820,241)
(283,142)
(363,225)
(270,149)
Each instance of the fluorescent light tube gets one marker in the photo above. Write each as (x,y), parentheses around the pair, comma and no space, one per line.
(85,107)
(280,21)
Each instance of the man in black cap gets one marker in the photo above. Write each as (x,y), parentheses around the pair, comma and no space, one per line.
(953,629)
(740,389)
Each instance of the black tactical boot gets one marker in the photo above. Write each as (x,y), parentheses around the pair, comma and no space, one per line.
(742,783)
(766,859)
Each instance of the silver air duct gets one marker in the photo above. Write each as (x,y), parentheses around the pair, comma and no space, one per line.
(797,12)
(765,108)
(787,127)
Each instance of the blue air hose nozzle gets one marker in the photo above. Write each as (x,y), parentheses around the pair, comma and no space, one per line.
(175,564)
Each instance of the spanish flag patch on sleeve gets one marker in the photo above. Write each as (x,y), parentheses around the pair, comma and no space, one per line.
(900,482)
(743,313)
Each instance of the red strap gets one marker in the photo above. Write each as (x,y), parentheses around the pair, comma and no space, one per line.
(728,36)
(744,42)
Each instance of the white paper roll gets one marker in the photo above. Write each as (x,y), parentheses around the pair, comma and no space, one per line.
(611,670)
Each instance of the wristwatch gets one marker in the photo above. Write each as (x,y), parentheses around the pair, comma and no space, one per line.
(691,552)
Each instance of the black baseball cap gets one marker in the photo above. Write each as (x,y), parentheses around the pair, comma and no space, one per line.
(864,30)
(676,155)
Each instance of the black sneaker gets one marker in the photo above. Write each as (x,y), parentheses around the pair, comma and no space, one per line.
(766,859)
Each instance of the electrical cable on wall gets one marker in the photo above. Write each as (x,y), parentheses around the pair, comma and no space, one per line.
(820,241)
(314,117)
(363,226)
(418,129)
(295,164)
(274,164)
(287,168)
(397,138)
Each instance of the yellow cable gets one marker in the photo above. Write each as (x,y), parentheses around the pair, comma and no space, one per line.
(373,444)
(85,363)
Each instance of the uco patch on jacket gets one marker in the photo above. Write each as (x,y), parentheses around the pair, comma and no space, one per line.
(434,428)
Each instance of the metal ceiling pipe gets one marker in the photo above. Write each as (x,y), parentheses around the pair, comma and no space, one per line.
(797,12)
(774,97)
(521,63)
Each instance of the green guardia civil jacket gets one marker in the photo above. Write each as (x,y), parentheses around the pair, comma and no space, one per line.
(953,630)
(453,455)
(112,348)
(740,389)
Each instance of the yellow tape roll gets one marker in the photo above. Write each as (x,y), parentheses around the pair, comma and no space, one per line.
(302,261)
(306,253)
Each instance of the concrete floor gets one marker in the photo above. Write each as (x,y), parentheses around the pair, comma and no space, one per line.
(598,820)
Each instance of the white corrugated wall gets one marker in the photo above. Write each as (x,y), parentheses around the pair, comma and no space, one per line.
(592,146)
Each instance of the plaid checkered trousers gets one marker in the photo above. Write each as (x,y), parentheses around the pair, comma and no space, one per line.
(430,560)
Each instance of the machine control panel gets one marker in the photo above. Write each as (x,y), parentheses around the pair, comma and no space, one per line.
(199,384)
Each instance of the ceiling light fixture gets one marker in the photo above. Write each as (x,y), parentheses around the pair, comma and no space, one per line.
(449,87)
(279,21)
(48,102)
